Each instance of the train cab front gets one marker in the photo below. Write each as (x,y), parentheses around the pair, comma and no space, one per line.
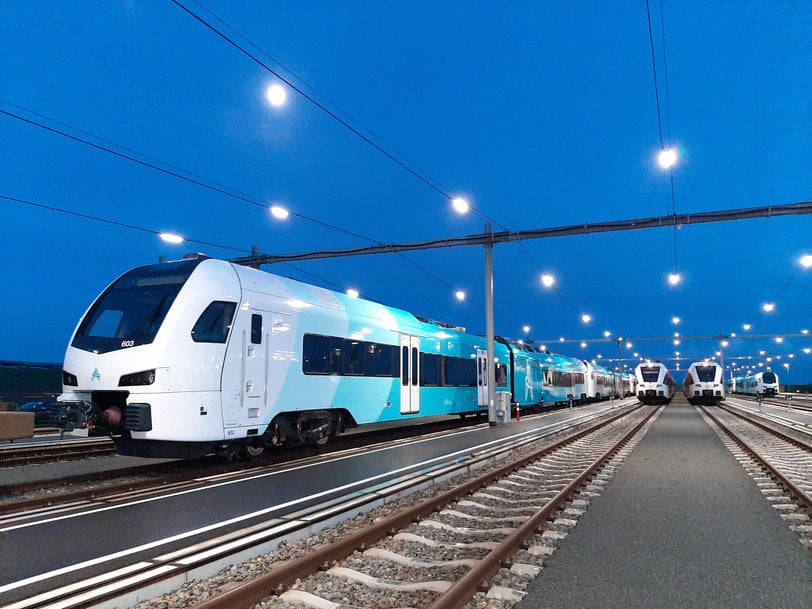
(143,418)
(145,357)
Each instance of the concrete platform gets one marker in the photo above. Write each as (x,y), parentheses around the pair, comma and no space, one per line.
(680,525)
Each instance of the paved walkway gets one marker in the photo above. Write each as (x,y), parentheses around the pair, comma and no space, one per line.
(680,525)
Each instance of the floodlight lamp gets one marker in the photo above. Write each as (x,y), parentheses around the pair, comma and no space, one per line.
(276,95)
(460,205)
(171,238)
(279,212)
(667,158)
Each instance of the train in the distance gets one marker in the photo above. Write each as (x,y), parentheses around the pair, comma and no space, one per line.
(184,358)
(704,383)
(763,383)
(654,383)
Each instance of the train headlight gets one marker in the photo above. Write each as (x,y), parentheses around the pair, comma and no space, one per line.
(147,377)
(69,379)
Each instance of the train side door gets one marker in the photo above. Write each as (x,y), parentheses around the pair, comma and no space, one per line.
(244,371)
(253,373)
(409,374)
(482,377)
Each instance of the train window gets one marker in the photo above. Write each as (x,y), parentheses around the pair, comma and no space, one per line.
(414,366)
(381,360)
(214,323)
(353,357)
(501,375)
(650,375)
(459,372)
(450,374)
(336,355)
(404,366)
(347,357)
(429,369)
(316,354)
(256,329)
(706,374)
(133,308)
(107,324)
(467,371)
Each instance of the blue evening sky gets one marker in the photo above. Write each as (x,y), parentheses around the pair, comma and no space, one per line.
(541,114)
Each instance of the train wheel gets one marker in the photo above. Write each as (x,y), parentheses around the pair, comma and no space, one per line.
(327,429)
(251,450)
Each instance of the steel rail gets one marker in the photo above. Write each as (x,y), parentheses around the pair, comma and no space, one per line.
(464,589)
(285,575)
(776,432)
(73,450)
(161,476)
(799,494)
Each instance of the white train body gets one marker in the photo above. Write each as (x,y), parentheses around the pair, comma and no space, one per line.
(182,357)
(600,382)
(764,383)
(628,383)
(704,383)
(654,383)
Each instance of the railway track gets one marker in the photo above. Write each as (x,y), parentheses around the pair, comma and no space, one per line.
(168,571)
(96,484)
(44,452)
(791,401)
(441,552)
(780,463)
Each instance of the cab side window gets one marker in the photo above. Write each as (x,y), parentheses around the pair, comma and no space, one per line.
(214,323)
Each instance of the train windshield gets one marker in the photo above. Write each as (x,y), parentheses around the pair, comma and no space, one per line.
(768,377)
(706,374)
(650,375)
(130,312)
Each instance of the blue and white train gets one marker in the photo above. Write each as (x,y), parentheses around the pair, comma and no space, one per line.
(654,383)
(704,383)
(764,383)
(188,357)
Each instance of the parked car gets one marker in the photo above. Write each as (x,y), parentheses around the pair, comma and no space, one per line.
(50,413)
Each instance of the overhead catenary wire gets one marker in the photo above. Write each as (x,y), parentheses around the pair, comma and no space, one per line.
(321,106)
(150,162)
(112,222)
(389,152)
(356,127)
(673,210)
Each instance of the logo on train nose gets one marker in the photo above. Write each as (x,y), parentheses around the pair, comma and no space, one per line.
(95,376)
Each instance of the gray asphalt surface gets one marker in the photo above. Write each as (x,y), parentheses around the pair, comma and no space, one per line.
(680,525)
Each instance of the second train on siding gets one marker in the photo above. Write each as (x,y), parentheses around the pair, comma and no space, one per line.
(704,383)
(764,383)
(655,384)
